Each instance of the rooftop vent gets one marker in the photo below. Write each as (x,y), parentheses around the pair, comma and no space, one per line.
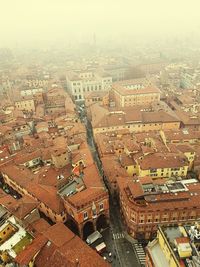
(59,177)
(48,243)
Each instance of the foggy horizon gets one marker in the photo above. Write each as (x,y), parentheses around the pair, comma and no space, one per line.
(62,23)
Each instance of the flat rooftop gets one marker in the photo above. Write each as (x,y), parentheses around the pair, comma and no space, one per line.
(172,233)
(10,245)
(70,188)
(158,255)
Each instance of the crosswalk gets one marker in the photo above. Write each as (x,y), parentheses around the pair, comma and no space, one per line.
(118,235)
(139,251)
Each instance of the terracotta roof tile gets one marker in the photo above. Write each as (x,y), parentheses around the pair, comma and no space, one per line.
(91,177)
(26,255)
(158,160)
(21,207)
(39,226)
(59,234)
(86,196)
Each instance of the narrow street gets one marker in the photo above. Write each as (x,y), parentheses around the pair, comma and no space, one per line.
(115,236)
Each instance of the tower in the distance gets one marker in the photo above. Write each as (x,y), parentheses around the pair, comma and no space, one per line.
(94,40)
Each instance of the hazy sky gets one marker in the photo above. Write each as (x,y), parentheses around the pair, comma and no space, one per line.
(50,21)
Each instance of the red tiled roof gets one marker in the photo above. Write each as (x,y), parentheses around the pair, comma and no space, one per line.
(26,255)
(59,234)
(181,240)
(161,201)
(76,249)
(159,160)
(135,188)
(21,207)
(22,158)
(131,115)
(47,195)
(39,226)
(112,168)
(66,250)
(86,196)
(91,177)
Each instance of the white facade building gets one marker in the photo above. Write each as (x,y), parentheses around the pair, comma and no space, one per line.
(79,83)
(31,91)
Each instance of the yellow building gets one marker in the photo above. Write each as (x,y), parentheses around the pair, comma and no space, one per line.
(135,121)
(189,154)
(135,92)
(170,249)
(162,165)
(129,164)
(6,232)
(49,202)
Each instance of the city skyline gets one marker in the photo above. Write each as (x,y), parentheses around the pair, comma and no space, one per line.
(46,23)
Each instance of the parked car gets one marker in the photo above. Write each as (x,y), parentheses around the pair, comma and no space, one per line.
(93,237)
(95,240)
(101,248)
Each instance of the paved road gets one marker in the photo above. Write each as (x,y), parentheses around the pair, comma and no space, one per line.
(125,249)
(138,248)
(123,252)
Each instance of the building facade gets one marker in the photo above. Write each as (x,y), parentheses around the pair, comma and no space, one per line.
(146,204)
(79,83)
(135,92)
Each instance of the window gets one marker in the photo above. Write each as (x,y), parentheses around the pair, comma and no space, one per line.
(153,170)
(85,215)
(101,207)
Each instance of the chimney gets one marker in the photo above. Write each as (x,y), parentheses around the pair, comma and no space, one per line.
(77,263)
